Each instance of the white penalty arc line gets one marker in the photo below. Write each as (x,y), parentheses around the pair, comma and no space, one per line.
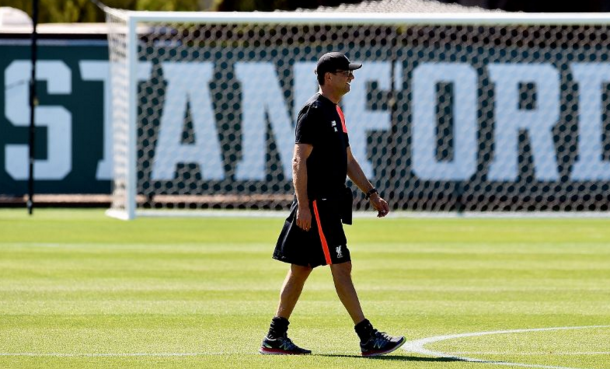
(572,353)
(417,346)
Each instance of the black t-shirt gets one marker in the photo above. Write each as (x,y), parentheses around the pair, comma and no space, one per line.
(321,124)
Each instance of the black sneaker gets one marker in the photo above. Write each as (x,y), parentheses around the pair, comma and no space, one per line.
(381,343)
(281,346)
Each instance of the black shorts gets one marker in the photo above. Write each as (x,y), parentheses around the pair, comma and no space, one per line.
(323,244)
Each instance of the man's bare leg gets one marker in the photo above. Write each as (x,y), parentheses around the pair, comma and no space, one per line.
(342,276)
(277,342)
(372,342)
(291,290)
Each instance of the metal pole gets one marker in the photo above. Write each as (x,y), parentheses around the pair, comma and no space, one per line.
(33,104)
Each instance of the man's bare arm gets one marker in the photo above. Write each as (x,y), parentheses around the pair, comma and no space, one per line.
(299,179)
(355,173)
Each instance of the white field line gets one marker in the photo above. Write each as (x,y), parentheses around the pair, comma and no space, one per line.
(175,354)
(133,354)
(417,346)
(372,214)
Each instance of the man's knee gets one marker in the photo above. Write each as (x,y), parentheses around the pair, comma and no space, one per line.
(343,270)
(299,271)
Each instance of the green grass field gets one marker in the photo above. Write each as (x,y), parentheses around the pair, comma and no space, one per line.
(80,290)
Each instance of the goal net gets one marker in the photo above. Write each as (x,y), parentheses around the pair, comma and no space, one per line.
(450,112)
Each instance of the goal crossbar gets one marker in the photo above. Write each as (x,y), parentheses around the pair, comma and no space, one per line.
(305,18)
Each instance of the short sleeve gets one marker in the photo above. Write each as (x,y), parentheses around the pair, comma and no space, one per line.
(304,131)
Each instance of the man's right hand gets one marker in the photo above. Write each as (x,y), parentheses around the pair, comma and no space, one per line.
(304,218)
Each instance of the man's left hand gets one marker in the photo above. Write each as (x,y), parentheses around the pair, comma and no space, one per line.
(380,205)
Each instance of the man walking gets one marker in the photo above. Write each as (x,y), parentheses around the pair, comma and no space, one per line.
(313,232)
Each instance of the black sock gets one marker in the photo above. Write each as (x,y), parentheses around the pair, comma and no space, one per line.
(278,327)
(364,329)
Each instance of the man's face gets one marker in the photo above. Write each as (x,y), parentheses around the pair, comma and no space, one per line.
(340,81)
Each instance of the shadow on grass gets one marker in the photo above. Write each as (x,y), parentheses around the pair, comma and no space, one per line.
(397,358)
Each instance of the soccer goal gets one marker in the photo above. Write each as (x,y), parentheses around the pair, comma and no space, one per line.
(497,112)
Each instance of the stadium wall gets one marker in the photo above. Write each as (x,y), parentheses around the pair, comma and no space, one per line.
(72,142)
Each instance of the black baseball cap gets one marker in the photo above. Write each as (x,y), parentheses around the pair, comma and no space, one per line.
(332,62)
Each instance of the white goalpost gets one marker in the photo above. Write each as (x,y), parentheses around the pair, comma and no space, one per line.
(456,112)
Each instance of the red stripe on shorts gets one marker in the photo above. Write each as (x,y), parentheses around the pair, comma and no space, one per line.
(321,233)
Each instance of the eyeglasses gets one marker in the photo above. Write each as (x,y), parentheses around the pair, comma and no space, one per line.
(346,73)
